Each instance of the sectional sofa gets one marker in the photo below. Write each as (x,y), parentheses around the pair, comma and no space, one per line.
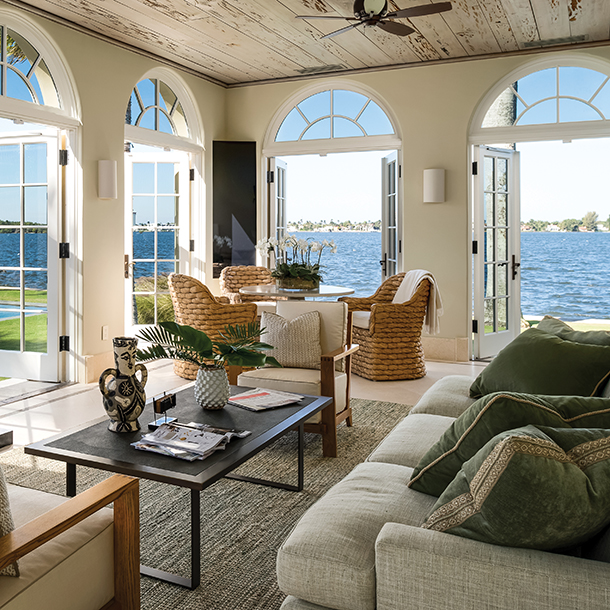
(362,545)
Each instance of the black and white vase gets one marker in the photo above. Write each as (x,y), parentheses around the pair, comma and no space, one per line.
(212,388)
(123,392)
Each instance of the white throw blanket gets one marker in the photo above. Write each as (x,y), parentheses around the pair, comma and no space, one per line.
(407,289)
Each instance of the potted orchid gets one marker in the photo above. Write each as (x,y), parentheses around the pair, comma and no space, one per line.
(297,261)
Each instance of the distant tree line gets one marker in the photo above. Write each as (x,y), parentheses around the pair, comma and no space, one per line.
(346,225)
(589,222)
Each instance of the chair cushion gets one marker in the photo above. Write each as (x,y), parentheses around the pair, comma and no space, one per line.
(496,413)
(83,554)
(264,306)
(537,362)
(296,342)
(300,381)
(6,523)
(329,558)
(361,319)
(532,487)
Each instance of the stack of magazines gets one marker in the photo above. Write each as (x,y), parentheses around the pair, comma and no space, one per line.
(189,442)
(261,399)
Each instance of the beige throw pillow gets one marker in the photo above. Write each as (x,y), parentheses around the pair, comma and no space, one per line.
(6,523)
(296,342)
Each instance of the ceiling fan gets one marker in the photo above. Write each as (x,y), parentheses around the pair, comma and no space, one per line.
(375,12)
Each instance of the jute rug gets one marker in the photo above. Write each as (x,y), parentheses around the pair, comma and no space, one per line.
(243,525)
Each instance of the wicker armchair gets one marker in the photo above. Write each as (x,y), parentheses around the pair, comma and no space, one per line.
(390,346)
(233,278)
(196,306)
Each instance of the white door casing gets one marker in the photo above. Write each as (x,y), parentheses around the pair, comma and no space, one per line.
(496,250)
(390,216)
(158,211)
(30,207)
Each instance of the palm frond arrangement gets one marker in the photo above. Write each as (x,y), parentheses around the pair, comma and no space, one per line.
(239,345)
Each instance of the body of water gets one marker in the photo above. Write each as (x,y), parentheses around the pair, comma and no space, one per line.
(566,275)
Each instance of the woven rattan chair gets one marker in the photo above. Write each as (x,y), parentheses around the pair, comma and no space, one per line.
(235,277)
(390,346)
(196,306)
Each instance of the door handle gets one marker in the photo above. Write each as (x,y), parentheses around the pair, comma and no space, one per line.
(514,266)
(384,263)
(126,266)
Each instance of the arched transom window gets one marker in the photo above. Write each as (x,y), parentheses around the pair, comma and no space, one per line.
(25,75)
(153,105)
(564,94)
(334,113)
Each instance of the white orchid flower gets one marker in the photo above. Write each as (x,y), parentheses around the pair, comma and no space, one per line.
(303,244)
(316,246)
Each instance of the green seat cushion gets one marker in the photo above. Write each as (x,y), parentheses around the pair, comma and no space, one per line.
(496,413)
(562,330)
(532,487)
(537,362)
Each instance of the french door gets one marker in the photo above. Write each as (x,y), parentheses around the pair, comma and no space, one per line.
(496,250)
(157,238)
(390,239)
(29,257)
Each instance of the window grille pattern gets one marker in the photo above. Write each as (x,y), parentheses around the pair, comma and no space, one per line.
(334,113)
(24,74)
(153,105)
(563,94)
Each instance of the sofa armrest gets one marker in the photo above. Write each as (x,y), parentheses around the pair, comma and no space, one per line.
(121,490)
(434,570)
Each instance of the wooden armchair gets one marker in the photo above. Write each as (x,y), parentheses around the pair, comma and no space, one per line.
(389,333)
(331,379)
(49,577)
(196,306)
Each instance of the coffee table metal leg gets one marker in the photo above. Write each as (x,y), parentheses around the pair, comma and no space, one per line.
(194,581)
(287,486)
(70,480)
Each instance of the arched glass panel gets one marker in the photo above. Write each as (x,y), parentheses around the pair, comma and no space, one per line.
(580,94)
(153,105)
(27,76)
(349,113)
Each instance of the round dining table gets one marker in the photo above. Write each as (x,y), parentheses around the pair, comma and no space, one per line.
(271,290)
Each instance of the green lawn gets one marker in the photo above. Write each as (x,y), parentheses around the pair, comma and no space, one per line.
(8,295)
(35,334)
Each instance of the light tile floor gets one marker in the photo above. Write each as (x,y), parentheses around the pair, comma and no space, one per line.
(39,417)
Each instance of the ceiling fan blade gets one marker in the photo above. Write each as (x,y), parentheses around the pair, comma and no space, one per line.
(349,27)
(395,28)
(325,17)
(420,11)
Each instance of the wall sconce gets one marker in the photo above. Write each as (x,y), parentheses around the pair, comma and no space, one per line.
(434,186)
(106,179)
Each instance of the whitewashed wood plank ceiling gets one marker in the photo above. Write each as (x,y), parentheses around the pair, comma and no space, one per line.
(235,42)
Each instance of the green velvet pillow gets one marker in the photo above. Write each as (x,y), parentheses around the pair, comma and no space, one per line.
(539,488)
(562,330)
(497,413)
(537,362)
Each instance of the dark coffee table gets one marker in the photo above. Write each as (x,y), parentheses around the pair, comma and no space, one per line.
(96,447)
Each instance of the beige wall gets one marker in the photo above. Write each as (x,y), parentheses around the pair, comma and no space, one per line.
(434,106)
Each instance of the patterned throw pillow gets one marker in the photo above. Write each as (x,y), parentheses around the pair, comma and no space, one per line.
(296,343)
(532,487)
(6,523)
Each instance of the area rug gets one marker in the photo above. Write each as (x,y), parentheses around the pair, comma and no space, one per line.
(243,525)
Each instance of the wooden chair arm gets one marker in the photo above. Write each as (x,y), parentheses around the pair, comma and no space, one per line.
(120,489)
(340,353)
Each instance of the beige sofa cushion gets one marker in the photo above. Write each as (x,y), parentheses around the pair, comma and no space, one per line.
(407,444)
(449,396)
(84,555)
(300,381)
(329,558)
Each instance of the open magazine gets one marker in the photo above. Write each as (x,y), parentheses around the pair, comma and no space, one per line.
(190,441)
(260,399)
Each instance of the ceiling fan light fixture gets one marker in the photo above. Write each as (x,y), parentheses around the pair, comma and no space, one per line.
(370,8)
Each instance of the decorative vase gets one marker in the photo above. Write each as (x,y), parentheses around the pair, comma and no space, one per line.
(212,388)
(297,283)
(124,396)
